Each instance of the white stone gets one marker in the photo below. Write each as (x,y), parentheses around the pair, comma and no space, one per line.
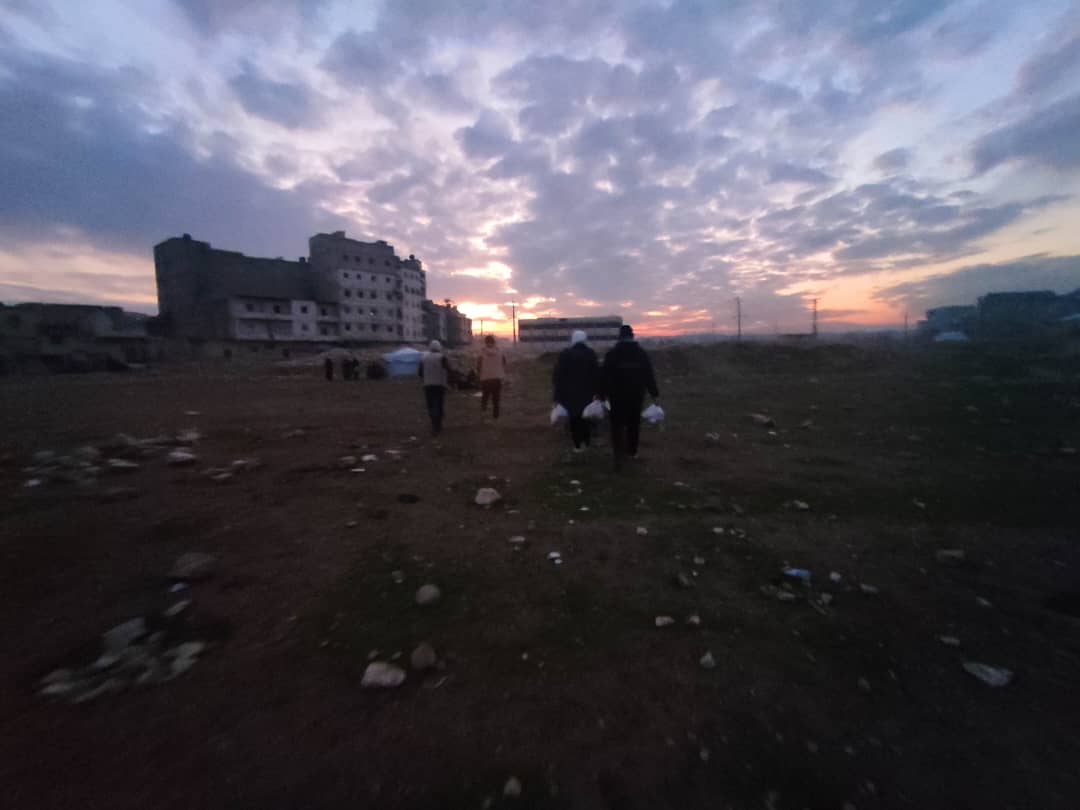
(423,657)
(949,641)
(990,675)
(428,595)
(517,540)
(512,788)
(193,565)
(642,531)
(380,674)
(664,621)
(486,496)
(369,457)
(707,661)
(693,620)
(124,634)
(181,458)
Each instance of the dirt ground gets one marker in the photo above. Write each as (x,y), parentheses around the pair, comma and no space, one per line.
(557,675)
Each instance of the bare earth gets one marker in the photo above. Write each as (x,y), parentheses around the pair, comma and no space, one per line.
(558,675)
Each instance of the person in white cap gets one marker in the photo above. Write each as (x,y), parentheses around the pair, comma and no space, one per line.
(434,374)
(576,381)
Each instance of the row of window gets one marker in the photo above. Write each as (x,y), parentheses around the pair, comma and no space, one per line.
(358,259)
(386,279)
(374,294)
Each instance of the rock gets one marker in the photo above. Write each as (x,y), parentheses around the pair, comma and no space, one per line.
(486,496)
(982,602)
(990,675)
(188,436)
(120,465)
(397,576)
(683,581)
(181,458)
(554,555)
(194,565)
(642,531)
(380,674)
(707,661)
(693,620)
(246,464)
(948,556)
(762,420)
(428,595)
(123,634)
(785,596)
(834,577)
(949,641)
(367,457)
(347,461)
(188,649)
(512,788)
(870,590)
(699,560)
(351,524)
(664,621)
(825,599)
(864,686)
(517,540)
(799,506)
(423,657)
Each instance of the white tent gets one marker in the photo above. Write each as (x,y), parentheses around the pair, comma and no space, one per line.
(403,362)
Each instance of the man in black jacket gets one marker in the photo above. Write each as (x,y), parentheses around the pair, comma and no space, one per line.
(627,375)
(576,381)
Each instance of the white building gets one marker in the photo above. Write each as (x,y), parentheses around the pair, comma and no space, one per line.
(552,334)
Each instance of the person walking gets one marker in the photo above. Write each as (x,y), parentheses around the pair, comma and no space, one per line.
(627,375)
(328,369)
(576,383)
(434,373)
(491,369)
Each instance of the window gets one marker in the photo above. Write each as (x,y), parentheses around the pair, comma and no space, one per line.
(303,309)
(389,328)
(345,256)
(323,311)
(348,293)
(303,327)
(250,308)
(345,274)
(371,261)
(347,310)
(277,309)
(348,327)
(387,262)
(373,311)
(373,278)
(322,330)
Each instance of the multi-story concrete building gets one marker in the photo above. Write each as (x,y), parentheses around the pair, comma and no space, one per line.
(348,291)
(443,322)
(550,334)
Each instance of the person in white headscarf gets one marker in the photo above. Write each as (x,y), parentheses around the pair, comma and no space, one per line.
(435,374)
(576,382)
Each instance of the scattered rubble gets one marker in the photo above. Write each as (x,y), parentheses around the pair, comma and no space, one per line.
(693,620)
(762,420)
(642,531)
(664,621)
(949,641)
(512,788)
(948,556)
(181,458)
(707,661)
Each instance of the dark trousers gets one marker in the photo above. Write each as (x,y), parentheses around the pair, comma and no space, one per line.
(490,389)
(434,395)
(625,426)
(580,431)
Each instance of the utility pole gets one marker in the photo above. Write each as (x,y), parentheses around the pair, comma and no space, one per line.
(513,317)
(481,327)
(738,318)
(814,329)
(905,325)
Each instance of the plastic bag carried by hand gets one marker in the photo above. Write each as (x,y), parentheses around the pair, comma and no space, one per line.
(594,411)
(654,414)
(559,414)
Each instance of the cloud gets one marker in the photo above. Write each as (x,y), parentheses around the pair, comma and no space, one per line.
(1046,137)
(79,154)
(964,286)
(292,105)
(895,160)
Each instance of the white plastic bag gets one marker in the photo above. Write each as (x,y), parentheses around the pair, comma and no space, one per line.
(594,411)
(559,414)
(654,414)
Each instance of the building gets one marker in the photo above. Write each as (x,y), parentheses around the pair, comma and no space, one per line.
(443,322)
(71,337)
(378,296)
(348,291)
(209,294)
(550,334)
(948,319)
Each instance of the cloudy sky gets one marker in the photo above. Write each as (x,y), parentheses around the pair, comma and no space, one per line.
(651,159)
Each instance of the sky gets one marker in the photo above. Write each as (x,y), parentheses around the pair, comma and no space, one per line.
(655,160)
